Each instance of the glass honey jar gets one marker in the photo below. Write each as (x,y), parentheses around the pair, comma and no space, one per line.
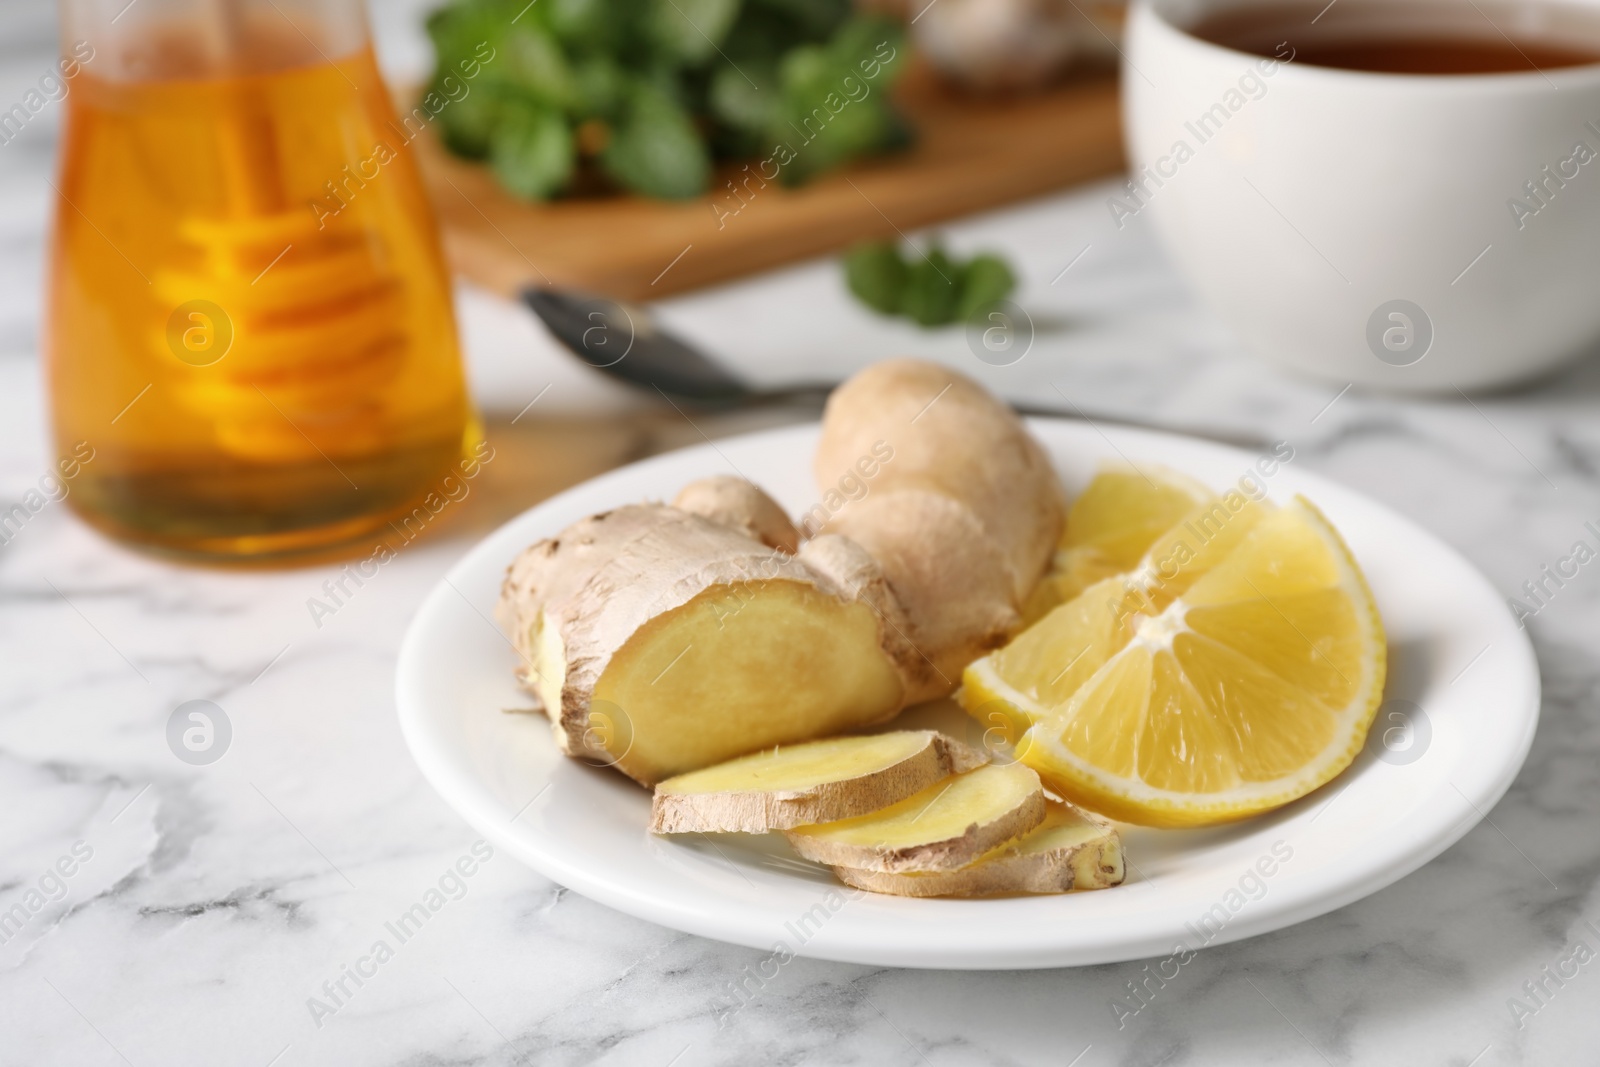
(249,316)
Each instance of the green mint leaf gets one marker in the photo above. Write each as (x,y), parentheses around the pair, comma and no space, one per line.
(531,151)
(656,150)
(985,280)
(689,31)
(876,274)
(932,289)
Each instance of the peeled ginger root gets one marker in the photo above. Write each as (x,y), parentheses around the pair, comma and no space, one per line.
(660,642)
(663,639)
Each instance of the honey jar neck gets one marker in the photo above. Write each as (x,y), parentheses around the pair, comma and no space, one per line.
(156,40)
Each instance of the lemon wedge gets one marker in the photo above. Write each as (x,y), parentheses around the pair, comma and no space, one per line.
(1046,663)
(1110,526)
(1202,691)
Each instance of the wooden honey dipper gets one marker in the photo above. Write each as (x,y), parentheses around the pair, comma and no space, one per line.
(316,313)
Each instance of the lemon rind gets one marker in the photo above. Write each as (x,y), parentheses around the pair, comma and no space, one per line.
(1133,800)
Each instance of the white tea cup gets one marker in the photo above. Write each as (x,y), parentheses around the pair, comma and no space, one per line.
(1410,232)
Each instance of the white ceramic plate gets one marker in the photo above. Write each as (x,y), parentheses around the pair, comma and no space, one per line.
(1455,653)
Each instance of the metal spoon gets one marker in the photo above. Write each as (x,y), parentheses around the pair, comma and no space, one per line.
(624,341)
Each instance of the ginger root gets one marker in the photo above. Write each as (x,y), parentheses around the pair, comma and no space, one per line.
(963,519)
(661,642)
(735,502)
(663,639)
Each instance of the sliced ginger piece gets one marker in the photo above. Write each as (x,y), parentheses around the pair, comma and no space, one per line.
(944,827)
(1071,849)
(815,782)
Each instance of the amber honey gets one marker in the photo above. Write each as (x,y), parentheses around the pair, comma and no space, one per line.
(249,319)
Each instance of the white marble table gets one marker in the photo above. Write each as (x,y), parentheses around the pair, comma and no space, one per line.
(207,906)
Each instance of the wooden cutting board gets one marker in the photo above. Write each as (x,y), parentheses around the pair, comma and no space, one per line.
(970,154)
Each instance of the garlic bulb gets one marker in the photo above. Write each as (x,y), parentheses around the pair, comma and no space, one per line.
(1009,45)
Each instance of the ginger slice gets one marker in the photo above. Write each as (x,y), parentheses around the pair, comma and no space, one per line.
(944,827)
(820,781)
(1070,850)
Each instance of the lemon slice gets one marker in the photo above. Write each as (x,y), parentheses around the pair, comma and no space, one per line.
(1109,528)
(1244,684)
(1045,664)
